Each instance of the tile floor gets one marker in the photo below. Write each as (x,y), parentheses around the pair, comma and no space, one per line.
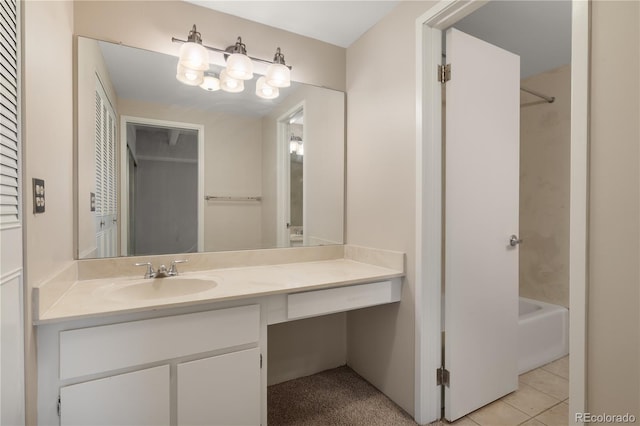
(542,399)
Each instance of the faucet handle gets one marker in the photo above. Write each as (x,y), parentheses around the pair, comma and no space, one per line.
(172,269)
(150,272)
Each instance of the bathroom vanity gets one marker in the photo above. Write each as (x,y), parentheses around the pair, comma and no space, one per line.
(116,348)
(189,349)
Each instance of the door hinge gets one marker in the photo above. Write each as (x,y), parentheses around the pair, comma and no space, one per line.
(444,73)
(59,405)
(442,377)
(261,361)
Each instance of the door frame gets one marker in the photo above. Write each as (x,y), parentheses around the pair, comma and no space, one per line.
(283,194)
(124,175)
(428,356)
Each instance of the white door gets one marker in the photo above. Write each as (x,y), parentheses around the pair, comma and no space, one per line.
(221,390)
(139,398)
(481,210)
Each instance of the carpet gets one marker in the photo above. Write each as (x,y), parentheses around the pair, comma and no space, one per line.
(331,398)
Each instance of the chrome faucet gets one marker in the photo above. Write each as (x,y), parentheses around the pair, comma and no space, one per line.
(162,271)
(173,271)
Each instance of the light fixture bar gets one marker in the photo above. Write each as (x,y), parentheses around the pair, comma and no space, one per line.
(226,53)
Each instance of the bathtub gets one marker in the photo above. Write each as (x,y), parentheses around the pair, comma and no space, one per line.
(543,333)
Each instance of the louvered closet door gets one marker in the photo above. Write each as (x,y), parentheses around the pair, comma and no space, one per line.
(11,281)
(9,118)
(106,177)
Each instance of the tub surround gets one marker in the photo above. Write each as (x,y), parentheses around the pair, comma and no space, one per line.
(545,139)
(86,288)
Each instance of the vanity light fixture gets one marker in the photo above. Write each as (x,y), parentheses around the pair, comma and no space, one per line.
(193,54)
(295,145)
(266,91)
(230,84)
(278,74)
(194,61)
(239,66)
(210,83)
(189,76)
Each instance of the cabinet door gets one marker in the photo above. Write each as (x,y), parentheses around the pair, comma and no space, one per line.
(221,390)
(140,398)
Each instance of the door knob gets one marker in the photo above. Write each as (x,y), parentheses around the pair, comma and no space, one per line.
(514,241)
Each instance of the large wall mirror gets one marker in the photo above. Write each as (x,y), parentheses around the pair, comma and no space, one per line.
(163,167)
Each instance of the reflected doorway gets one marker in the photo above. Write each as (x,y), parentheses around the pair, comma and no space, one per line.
(291,137)
(163,198)
(296,175)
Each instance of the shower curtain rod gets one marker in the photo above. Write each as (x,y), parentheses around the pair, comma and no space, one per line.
(549,99)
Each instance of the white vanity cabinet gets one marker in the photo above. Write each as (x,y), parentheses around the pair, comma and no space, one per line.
(195,368)
(139,398)
(221,390)
(187,361)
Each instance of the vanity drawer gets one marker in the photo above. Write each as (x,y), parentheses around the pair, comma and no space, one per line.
(322,302)
(110,347)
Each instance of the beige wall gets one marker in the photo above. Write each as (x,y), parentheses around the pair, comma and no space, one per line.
(545,138)
(324,167)
(305,347)
(233,168)
(151,24)
(381,135)
(613,356)
(48,154)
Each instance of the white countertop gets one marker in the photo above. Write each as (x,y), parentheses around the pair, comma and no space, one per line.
(104,297)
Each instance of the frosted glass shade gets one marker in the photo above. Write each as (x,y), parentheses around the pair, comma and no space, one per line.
(239,66)
(189,76)
(194,56)
(265,91)
(210,83)
(278,75)
(229,84)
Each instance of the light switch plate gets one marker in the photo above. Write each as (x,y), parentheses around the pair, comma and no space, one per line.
(38,196)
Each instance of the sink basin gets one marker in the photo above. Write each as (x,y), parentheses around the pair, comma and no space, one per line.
(161,288)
